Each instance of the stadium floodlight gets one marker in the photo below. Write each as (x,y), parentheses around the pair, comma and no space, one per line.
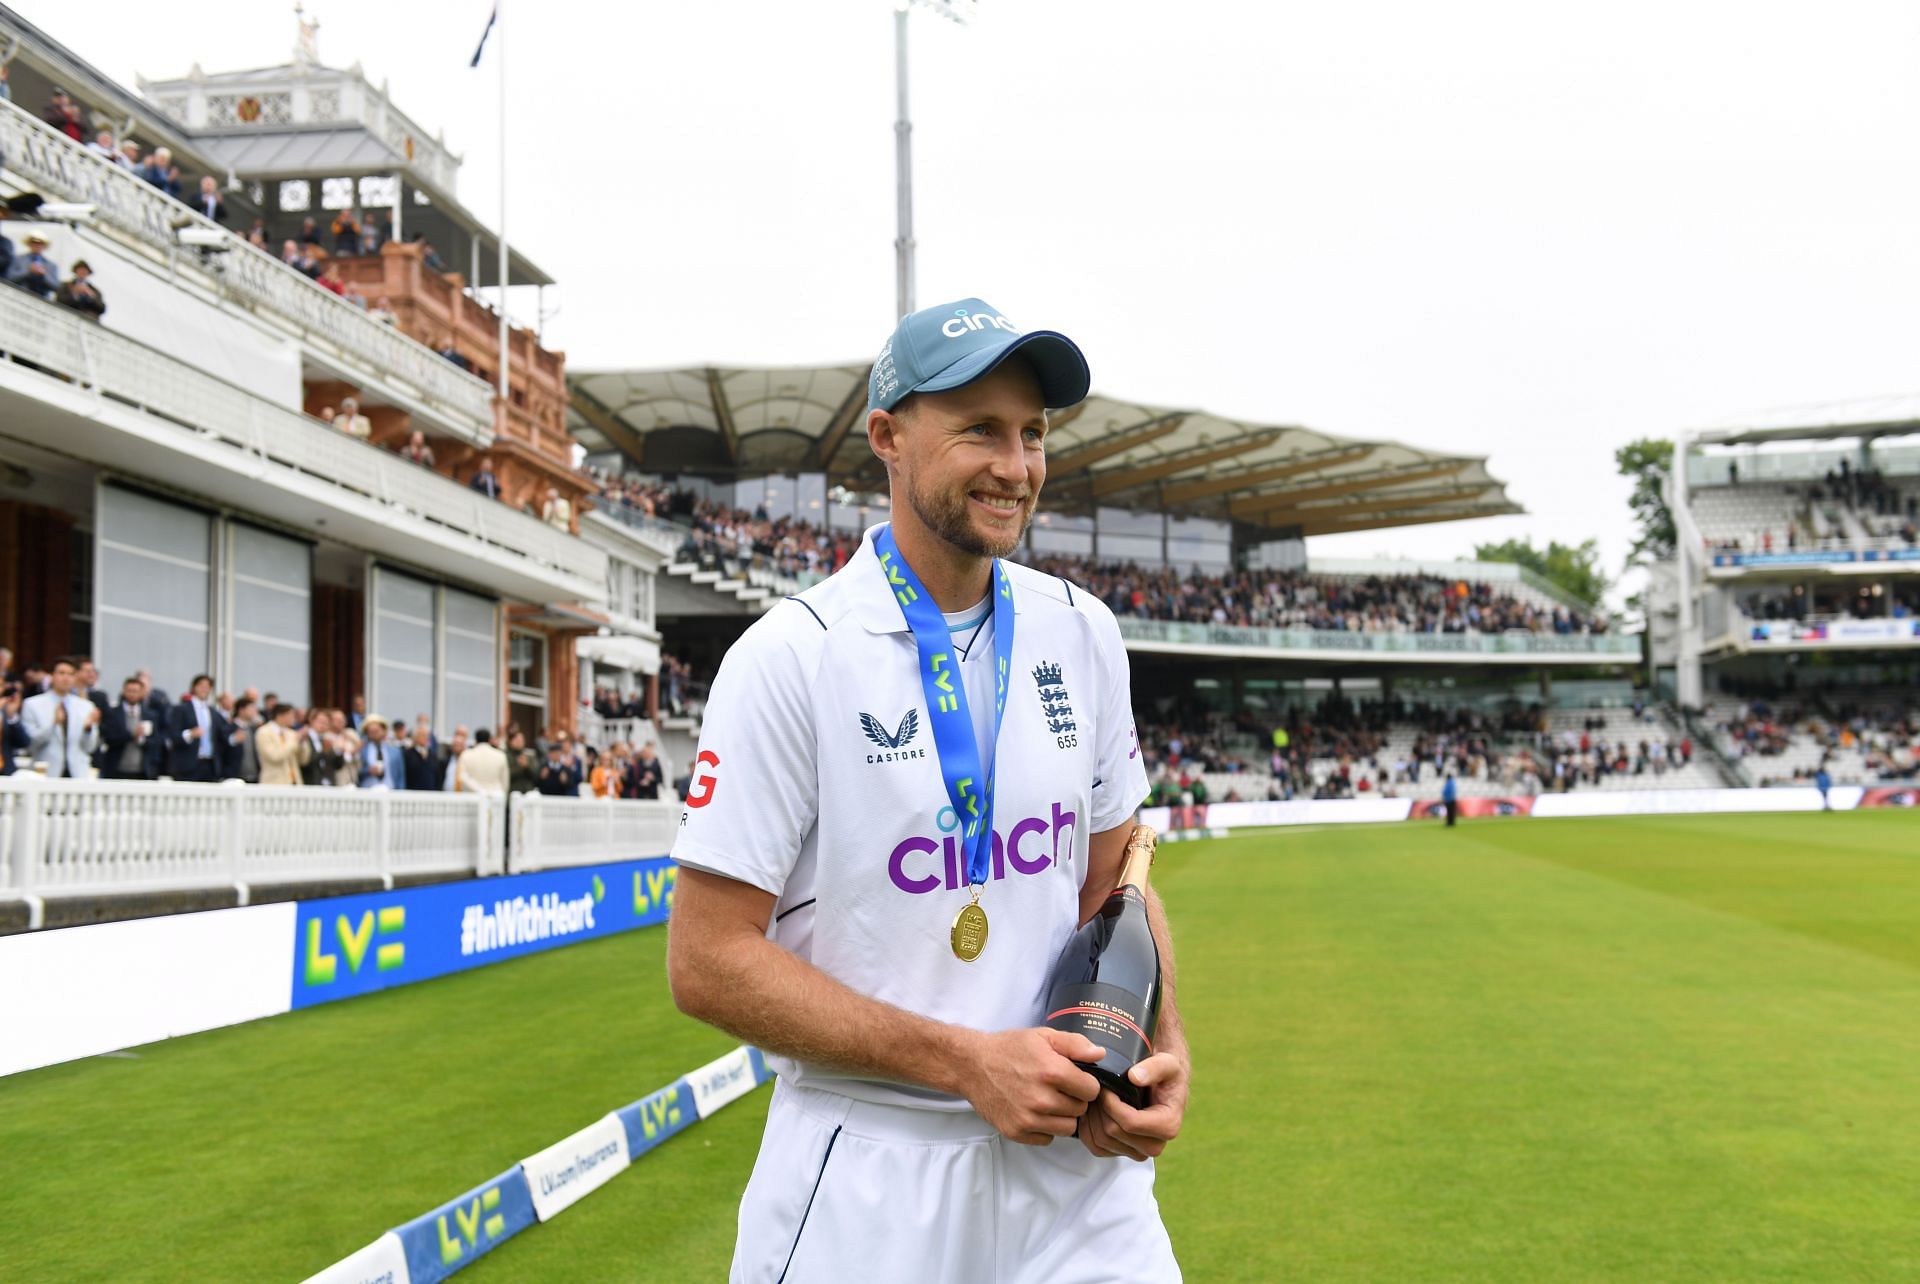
(205,238)
(956,11)
(72,213)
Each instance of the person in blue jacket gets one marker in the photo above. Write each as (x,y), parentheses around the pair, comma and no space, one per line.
(1450,795)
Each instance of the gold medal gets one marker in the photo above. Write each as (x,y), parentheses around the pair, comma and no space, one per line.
(970,932)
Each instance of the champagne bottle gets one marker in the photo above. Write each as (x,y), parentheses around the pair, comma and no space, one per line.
(1106,984)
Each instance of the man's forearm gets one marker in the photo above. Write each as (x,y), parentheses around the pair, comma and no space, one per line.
(755,990)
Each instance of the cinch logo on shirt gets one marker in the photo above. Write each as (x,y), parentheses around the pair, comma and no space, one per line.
(963,321)
(917,864)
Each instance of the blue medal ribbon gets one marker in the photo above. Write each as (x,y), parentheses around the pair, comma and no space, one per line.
(953,737)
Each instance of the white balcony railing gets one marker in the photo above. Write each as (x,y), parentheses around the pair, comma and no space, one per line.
(552,832)
(77,838)
(59,340)
(62,170)
(96,838)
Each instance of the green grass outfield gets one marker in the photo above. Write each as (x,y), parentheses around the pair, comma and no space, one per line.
(1638,1049)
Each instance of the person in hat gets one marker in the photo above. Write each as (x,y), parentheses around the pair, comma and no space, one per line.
(927,1123)
(33,271)
(80,293)
(382,765)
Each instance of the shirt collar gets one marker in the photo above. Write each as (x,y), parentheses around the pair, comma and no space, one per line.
(873,602)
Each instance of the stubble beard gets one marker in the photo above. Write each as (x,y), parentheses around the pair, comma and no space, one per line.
(947,515)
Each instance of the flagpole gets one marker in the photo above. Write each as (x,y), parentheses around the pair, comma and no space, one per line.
(500,54)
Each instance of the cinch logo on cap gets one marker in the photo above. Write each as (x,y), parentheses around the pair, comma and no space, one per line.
(964,321)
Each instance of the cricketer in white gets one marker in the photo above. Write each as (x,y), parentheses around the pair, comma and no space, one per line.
(916,1128)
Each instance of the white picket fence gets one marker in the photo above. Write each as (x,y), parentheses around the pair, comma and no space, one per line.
(70,838)
(552,832)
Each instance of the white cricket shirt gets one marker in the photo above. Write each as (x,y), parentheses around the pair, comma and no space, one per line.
(817,780)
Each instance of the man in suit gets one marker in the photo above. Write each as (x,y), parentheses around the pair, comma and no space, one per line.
(240,759)
(645,775)
(318,762)
(63,727)
(484,481)
(483,768)
(358,718)
(13,736)
(128,738)
(195,731)
(559,774)
(283,751)
(449,759)
(156,696)
(425,768)
(381,763)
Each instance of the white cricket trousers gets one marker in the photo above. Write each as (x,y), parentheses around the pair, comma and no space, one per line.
(845,1190)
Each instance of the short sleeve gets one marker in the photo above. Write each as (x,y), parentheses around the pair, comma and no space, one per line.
(754,791)
(1120,774)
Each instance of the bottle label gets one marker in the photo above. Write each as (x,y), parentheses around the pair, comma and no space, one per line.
(1106,1014)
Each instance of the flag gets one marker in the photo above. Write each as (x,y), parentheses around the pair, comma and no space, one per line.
(492,15)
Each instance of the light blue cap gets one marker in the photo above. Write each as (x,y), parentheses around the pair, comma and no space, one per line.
(949,346)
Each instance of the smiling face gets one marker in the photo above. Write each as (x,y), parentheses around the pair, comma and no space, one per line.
(968,464)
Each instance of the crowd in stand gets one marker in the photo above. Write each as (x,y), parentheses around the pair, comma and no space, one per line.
(733,537)
(1886,736)
(1341,749)
(1885,511)
(56,720)
(1298,600)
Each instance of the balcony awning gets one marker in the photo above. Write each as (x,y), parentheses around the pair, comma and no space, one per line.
(1105,452)
(636,655)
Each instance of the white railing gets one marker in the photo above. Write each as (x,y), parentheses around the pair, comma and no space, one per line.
(63,170)
(1146,635)
(94,838)
(62,341)
(601,732)
(551,832)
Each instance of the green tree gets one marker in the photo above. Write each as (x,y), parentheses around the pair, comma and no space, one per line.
(1649,462)
(1575,568)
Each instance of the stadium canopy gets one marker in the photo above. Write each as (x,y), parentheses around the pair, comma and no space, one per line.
(1863,418)
(1103,453)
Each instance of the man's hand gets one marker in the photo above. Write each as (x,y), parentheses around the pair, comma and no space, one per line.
(1113,1129)
(1025,1083)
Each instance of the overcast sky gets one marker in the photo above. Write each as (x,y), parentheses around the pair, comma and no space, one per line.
(1522,230)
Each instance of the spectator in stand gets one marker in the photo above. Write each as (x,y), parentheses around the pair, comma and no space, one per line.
(301,259)
(351,421)
(64,115)
(645,775)
(13,733)
(559,774)
(130,736)
(349,743)
(483,768)
(331,281)
(319,753)
(425,769)
(309,232)
(79,293)
(241,761)
(484,481)
(417,451)
(162,172)
(608,779)
(103,146)
(382,765)
(523,763)
(283,751)
(195,730)
(33,271)
(7,257)
(208,202)
(556,511)
(62,726)
(431,259)
(346,232)
(372,234)
(86,683)
(446,349)
(450,755)
(128,157)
